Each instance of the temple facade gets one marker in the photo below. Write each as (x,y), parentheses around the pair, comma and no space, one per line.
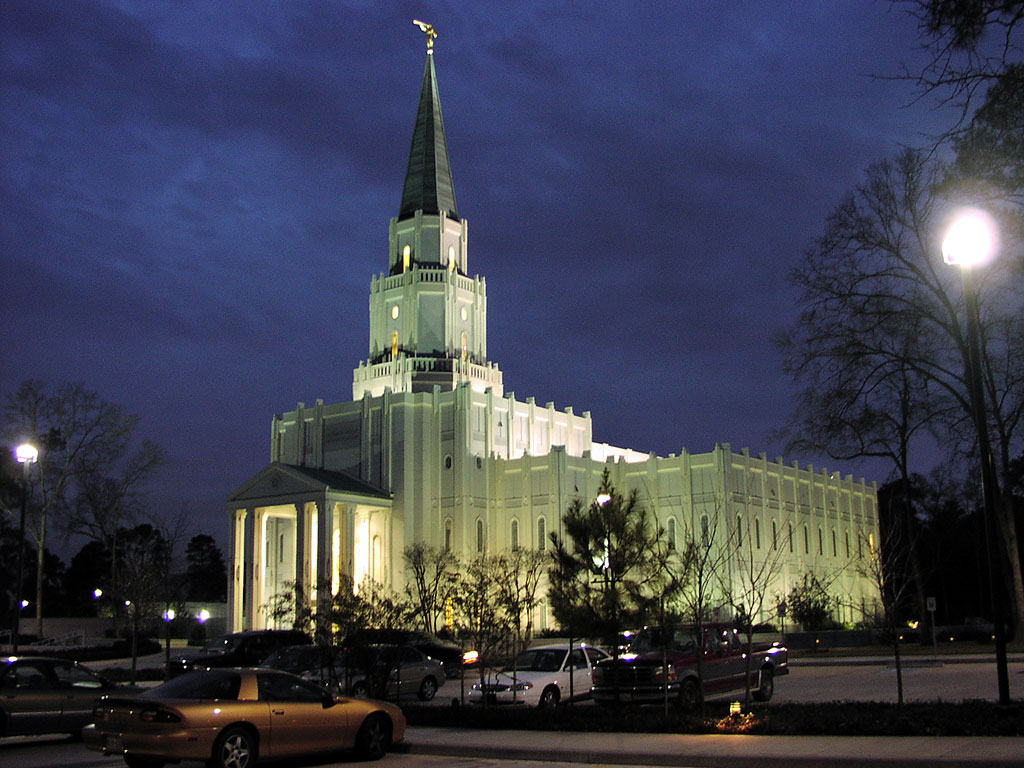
(432,449)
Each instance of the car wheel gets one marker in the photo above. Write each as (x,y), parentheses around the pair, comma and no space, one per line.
(427,689)
(374,738)
(360,690)
(549,698)
(689,695)
(137,761)
(236,748)
(767,687)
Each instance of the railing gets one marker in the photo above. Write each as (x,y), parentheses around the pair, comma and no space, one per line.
(75,637)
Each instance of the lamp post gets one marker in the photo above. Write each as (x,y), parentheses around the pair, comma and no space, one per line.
(168,618)
(27,455)
(970,241)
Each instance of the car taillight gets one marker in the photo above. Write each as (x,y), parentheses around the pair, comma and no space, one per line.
(158,716)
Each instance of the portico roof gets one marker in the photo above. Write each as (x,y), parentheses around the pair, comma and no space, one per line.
(280,483)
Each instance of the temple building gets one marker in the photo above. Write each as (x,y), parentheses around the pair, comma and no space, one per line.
(431,448)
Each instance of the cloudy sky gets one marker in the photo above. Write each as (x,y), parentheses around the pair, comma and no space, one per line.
(195,194)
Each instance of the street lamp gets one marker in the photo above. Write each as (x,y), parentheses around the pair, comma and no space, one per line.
(969,242)
(27,455)
(168,618)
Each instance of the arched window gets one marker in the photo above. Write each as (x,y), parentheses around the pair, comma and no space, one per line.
(775,536)
(465,346)
(704,541)
(513,535)
(835,551)
(406,257)
(757,532)
(479,535)
(670,532)
(542,534)
(448,535)
(394,344)
(860,547)
(821,542)
(846,540)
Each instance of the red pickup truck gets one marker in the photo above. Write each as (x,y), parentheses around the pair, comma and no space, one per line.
(641,675)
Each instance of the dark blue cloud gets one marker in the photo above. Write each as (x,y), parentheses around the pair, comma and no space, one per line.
(196,194)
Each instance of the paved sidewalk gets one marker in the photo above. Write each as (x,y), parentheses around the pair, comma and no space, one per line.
(720,751)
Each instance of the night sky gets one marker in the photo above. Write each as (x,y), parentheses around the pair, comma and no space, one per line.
(194,196)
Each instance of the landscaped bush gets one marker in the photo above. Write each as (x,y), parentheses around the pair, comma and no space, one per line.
(973,718)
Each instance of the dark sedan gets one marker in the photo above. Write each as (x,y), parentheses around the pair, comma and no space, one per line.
(39,694)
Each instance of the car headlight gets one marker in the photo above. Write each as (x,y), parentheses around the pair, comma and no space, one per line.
(524,686)
(665,673)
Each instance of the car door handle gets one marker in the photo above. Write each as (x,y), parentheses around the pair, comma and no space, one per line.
(278,711)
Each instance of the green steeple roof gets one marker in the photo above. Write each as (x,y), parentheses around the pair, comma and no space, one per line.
(428,180)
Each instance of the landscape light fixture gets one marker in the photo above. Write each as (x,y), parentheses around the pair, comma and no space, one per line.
(971,241)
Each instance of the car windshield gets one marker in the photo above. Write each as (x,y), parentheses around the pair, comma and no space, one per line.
(209,684)
(652,639)
(222,644)
(539,660)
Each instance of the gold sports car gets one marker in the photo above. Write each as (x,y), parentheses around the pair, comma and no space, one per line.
(230,718)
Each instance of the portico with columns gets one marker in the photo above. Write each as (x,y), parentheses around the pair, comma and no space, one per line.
(297,528)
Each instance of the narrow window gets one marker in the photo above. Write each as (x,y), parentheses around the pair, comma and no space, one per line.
(479,535)
(790,526)
(757,532)
(704,531)
(821,542)
(514,535)
(671,533)
(775,536)
(448,535)
(739,531)
(406,257)
(835,551)
(860,548)
(542,535)
(465,346)
(846,541)
(807,542)
(394,344)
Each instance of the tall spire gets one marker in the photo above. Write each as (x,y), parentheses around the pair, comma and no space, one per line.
(428,179)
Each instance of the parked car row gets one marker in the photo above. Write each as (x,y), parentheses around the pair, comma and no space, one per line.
(654,666)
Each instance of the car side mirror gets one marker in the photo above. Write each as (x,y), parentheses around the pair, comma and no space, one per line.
(328,700)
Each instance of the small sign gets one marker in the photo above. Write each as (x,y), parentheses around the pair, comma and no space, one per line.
(930,604)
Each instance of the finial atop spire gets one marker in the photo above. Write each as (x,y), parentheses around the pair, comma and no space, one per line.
(429,30)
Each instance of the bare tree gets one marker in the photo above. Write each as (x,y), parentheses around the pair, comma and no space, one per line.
(887,568)
(707,552)
(433,573)
(84,447)
(519,574)
(758,566)
(480,619)
(878,305)
(972,45)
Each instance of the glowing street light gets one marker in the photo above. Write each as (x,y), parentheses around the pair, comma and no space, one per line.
(27,455)
(971,241)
